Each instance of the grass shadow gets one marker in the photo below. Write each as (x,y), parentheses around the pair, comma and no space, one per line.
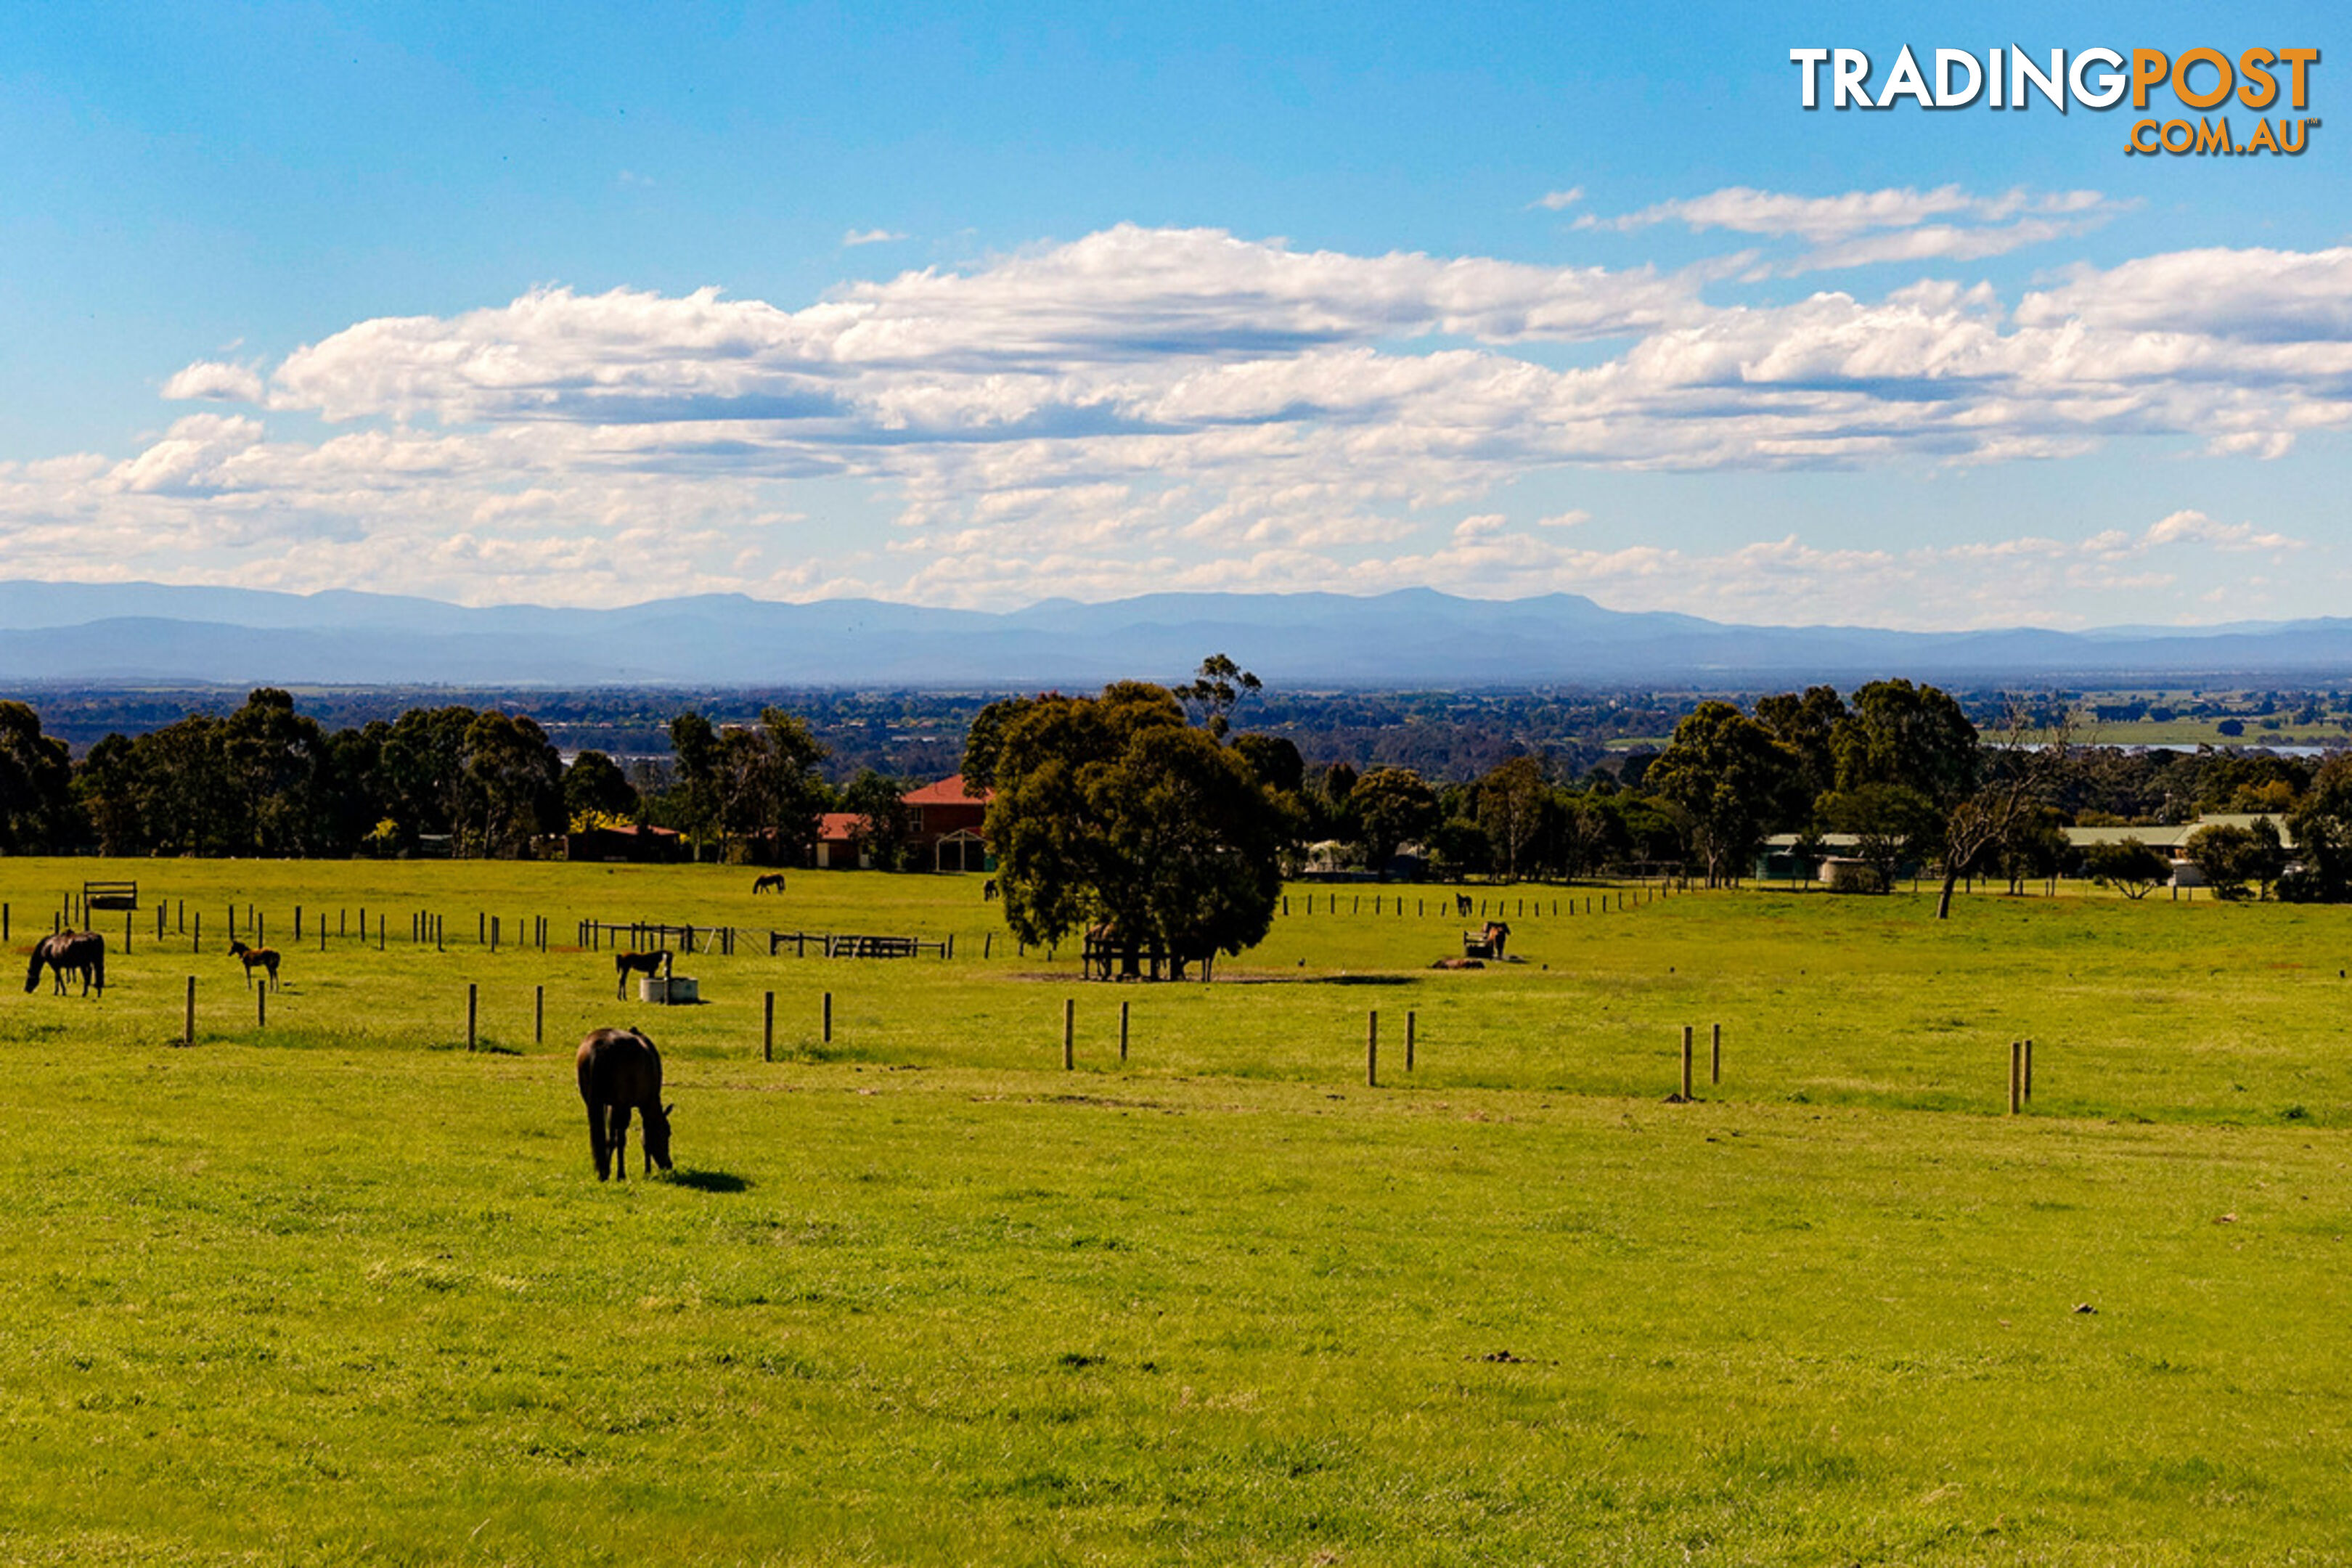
(710,1181)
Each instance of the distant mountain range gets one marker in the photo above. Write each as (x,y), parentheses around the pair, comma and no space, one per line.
(144,633)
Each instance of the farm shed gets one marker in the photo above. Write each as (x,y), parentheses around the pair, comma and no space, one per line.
(660,845)
(837,846)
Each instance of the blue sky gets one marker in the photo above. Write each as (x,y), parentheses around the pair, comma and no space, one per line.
(592,304)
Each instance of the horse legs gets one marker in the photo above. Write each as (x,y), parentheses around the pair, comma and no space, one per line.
(597,1144)
(618,1136)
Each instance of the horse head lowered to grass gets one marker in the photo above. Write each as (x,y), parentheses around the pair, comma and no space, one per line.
(620,1071)
(81,953)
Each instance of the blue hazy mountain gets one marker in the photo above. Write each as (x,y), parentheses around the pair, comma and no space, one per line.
(146,632)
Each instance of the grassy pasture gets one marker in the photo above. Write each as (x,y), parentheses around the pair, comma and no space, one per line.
(336,1291)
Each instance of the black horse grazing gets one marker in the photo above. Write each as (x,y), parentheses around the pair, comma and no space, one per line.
(1461,905)
(987,892)
(81,953)
(255,958)
(620,1071)
(646,963)
(773,882)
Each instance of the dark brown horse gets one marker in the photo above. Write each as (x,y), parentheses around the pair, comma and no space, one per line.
(81,953)
(255,958)
(620,1071)
(773,882)
(646,963)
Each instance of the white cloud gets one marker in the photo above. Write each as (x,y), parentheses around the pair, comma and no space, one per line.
(1558,201)
(870,236)
(1143,408)
(2196,528)
(212,379)
(1862,228)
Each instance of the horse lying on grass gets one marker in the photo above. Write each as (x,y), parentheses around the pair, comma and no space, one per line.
(256,958)
(646,963)
(81,953)
(620,1071)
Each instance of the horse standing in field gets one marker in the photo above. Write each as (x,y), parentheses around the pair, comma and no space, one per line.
(1487,943)
(81,953)
(1462,906)
(987,892)
(255,958)
(646,963)
(773,882)
(620,1071)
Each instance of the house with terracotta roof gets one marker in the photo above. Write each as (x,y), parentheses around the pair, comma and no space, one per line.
(947,824)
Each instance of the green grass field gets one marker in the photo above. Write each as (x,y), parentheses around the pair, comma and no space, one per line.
(337,1290)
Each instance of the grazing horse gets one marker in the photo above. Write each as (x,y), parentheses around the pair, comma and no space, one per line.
(773,882)
(81,953)
(1462,906)
(256,958)
(646,963)
(620,1071)
(987,892)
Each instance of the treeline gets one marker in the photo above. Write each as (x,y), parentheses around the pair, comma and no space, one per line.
(267,779)
(1903,771)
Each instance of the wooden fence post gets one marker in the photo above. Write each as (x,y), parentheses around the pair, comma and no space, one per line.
(196,942)
(828,1017)
(1372,1049)
(1069,1033)
(1687,1061)
(539,1015)
(1122,1033)
(768,1030)
(261,1004)
(1409,1023)
(188,1028)
(1714,1057)
(2016,1076)
(2029,1069)
(470,1015)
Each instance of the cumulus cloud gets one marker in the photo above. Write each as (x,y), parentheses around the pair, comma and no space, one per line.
(214,380)
(1144,408)
(2196,528)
